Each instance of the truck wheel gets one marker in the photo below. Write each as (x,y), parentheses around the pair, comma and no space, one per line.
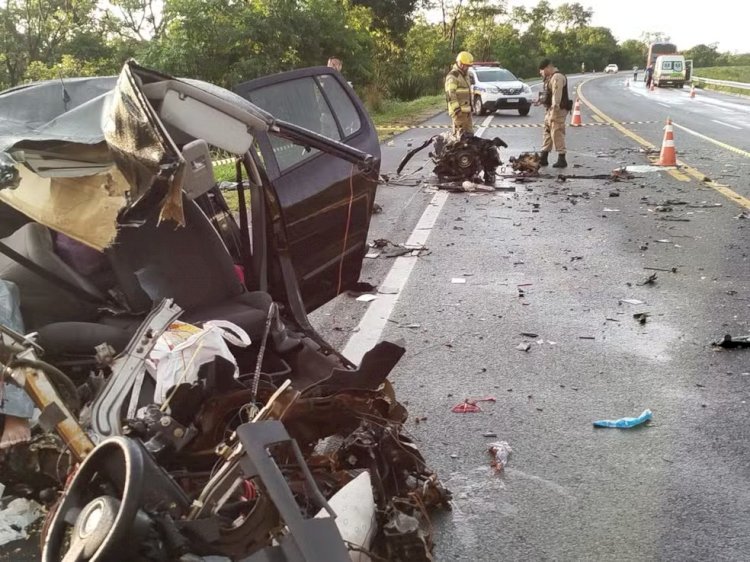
(477,106)
(523,111)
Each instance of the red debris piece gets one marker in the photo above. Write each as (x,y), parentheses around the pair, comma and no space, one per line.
(470,406)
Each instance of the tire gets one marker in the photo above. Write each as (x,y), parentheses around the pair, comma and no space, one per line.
(523,111)
(477,108)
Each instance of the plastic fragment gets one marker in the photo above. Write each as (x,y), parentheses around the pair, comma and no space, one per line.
(500,451)
(625,423)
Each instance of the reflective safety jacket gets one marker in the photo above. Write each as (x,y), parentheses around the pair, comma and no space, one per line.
(457,91)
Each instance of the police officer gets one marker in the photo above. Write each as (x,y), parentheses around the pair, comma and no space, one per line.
(458,94)
(558,104)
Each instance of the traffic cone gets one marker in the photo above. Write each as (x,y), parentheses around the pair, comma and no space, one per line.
(692,91)
(667,156)
(576,119)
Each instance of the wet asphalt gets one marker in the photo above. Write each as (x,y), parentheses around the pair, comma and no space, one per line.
(675,489)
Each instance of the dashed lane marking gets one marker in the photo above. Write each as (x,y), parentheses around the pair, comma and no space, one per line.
(597,123)
(724,145)
(725,190)
(727,124)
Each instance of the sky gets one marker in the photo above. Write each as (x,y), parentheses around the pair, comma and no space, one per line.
(688,23)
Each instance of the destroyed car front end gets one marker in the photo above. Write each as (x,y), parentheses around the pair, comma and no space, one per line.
(200,414)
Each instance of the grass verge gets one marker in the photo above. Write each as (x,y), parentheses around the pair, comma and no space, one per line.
(400,114)
(733,73)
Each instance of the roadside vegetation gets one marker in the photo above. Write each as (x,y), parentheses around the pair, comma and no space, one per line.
(732,73)
(391,50)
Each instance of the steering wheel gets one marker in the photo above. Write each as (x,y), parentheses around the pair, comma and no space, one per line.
(95,518)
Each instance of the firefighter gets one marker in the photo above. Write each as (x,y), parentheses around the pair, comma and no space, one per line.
(557,103)
(458,94)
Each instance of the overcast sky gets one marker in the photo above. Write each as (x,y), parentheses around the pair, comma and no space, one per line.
(688,23)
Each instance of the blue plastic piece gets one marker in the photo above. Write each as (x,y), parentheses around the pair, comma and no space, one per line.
(625,423)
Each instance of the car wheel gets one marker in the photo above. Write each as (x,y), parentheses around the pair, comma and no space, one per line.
(477,106)
(523,111)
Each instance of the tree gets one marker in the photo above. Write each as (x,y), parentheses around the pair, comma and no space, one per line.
(649,37)
(394,17)
(572,16)
(703,55)
(632,53)
(38,30)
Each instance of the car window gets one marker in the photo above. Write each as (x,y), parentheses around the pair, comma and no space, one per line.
(677,66)
(302,103)
(666,65)
(342,105)
(495,75)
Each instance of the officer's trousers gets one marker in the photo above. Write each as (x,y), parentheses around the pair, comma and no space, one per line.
(554,130)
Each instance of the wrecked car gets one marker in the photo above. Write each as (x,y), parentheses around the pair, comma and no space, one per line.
(464,158)
(258,441)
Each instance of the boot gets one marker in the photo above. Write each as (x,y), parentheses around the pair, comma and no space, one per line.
(561,162)
(544,160)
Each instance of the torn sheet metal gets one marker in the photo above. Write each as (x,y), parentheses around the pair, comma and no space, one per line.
(108,142)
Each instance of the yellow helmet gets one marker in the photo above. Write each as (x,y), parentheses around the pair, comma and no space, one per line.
(465,58)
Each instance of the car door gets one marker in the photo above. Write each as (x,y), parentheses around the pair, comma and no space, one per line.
(325,203)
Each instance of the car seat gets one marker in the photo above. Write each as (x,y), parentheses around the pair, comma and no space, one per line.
(43,302)
(189,264)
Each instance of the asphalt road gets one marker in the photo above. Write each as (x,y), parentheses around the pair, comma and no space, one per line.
(676,489)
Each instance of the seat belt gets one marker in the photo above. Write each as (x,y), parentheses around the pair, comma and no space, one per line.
(247,260)
(51,277)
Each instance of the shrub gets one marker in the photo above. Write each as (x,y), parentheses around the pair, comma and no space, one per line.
(407,87)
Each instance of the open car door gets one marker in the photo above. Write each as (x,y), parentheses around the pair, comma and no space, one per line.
(324,202)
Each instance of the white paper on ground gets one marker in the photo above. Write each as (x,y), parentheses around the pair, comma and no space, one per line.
(366,298)
(458,280)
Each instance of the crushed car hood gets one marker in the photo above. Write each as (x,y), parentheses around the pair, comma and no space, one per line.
(76,153)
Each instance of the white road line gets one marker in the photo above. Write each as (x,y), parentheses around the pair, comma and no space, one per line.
(726,124)
(372,325)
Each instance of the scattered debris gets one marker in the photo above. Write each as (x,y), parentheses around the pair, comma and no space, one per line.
(500,452)
(642,317)
(366,298)
(377,209)
(470,406)
(614,193)
(743,215)
(361,288)
(625,423)
(729,342)
(372,255)
(608,210)
(529,335)
(16,518)
(458,280)
(526,163)
(523,346)
(631,301)
(489,434)
(663,241)
(586,337)
(704,205)
(650,280)
(670,270)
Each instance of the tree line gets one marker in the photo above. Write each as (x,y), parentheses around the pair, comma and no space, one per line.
(390,48)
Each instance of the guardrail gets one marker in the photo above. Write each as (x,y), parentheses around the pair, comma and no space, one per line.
(727,83)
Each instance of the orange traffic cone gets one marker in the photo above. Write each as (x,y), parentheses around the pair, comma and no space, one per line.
(692,91)
(668,157)
(576,119)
